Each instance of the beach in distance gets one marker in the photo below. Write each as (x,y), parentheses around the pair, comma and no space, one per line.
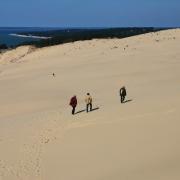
(14,36)
(137,140)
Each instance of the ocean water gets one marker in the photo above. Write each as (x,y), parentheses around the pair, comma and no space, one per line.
(6,38)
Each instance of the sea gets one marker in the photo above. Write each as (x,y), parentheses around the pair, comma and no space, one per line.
(9,40)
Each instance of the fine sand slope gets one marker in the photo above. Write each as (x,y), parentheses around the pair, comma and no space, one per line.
(137,140)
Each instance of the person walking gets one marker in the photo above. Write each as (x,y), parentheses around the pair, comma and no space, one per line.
(123,94)
(88,101)
(73,103)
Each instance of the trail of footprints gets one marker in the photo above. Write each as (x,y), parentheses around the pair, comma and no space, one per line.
(30,165)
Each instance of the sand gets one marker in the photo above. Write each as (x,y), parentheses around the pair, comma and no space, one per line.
(137,140)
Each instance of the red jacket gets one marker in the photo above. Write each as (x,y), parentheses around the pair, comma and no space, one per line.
(73,101)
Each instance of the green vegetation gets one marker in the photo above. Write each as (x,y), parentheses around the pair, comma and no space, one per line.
(3,46)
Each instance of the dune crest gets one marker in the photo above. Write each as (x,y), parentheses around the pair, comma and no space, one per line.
(15,55)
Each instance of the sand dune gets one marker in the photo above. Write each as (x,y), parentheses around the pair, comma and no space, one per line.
(138,140)
(15,55)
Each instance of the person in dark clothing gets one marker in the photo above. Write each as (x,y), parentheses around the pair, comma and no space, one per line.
(123,94)
(73,103)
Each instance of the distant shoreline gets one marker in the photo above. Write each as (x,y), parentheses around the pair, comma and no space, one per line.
(29,36)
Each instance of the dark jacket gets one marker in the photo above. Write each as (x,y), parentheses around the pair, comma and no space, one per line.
(123,92)
(73,101)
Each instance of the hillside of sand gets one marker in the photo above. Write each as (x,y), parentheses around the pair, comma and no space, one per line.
(137,140)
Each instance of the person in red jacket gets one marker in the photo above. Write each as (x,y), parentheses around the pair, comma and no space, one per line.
(73,103)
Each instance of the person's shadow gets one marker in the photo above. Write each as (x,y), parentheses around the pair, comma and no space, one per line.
(84,110)
(94,109)
(81,111)
(127,101)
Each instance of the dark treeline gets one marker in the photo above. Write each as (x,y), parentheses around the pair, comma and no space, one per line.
(3,46)
(72,35)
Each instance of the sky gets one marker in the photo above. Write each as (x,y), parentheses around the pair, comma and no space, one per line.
(89,13)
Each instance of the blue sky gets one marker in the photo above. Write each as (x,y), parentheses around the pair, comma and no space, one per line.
(89,13)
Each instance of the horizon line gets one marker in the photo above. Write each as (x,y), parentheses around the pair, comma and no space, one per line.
(90,27)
